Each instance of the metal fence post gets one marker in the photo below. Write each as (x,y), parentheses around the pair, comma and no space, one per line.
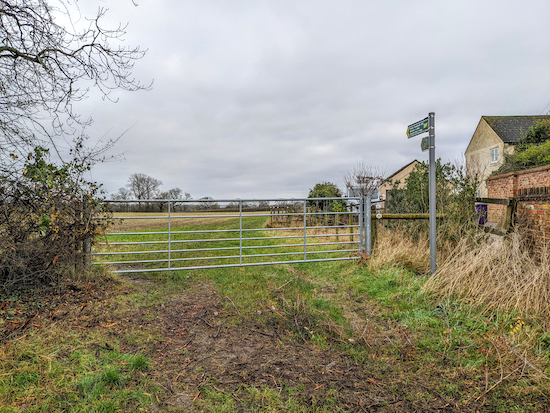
(432,195)
(305,231)
(169,237)
(368,222)
(240,232)
(361,225)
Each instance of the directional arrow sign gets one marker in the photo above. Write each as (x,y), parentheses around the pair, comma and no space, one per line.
(417,128)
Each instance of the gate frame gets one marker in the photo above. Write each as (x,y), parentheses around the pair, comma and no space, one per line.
(363,225)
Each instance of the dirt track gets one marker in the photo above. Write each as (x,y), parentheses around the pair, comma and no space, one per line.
(206,345)
(198,340)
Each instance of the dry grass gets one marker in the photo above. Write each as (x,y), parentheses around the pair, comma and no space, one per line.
(129,225)
(499,275)
(397,247)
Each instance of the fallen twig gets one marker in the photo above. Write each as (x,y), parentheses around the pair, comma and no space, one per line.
(288,282)
(497,383)
(205,322)
(238,312)
(219,328)
(262,333)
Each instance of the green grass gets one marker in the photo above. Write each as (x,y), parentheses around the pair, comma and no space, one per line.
(444,335)
(382,319)
(72,376)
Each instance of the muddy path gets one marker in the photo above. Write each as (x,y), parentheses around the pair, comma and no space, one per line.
(200,344)
(208,344)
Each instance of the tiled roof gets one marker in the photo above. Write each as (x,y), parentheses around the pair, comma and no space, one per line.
(511,128)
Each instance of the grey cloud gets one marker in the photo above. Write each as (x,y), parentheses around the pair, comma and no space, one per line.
(255,99)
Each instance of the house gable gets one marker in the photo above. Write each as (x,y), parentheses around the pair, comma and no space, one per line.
(484,136)
(400,175)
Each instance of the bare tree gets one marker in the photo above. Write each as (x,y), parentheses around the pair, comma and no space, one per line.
(363,179)
(122,195)
(143,186)
(207,202)
(174,193)
(45,66)
(50,56)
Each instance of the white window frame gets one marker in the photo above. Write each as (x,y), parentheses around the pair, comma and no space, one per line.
(494,155)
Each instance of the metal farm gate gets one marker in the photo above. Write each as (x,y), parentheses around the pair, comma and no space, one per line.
(171,235)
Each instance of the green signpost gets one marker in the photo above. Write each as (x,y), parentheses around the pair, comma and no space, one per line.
(428,144)
(418,128)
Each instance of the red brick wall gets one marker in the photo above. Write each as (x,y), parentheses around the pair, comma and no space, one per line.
(534,178)
(531,188)
(534,214)
(501,186)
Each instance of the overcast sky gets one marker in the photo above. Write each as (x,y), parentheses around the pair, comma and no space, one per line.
(263,99)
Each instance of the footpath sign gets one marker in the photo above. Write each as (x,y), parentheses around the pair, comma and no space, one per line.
(428,144)
(418,127)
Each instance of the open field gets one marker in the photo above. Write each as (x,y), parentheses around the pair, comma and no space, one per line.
(133,224)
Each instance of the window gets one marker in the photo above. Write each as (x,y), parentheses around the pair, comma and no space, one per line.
(494,155)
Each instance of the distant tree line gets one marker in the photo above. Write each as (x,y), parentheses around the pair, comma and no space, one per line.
(141,186)
(144,187)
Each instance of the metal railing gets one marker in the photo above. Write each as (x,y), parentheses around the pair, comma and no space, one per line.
(195,234)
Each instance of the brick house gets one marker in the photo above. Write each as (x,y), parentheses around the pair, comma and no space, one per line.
(494,137)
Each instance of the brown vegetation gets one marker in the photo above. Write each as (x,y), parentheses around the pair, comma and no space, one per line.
(500,275)
(395,246)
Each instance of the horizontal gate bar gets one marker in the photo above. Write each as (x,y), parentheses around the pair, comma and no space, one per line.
(200,267)
(222,257)
(223,248)
(225,239)
(237,245)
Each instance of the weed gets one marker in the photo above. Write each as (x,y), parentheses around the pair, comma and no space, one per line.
(139,362)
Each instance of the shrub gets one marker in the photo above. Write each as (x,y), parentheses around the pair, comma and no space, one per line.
(46,215)
(531,151)
(455,199)
(326,190)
